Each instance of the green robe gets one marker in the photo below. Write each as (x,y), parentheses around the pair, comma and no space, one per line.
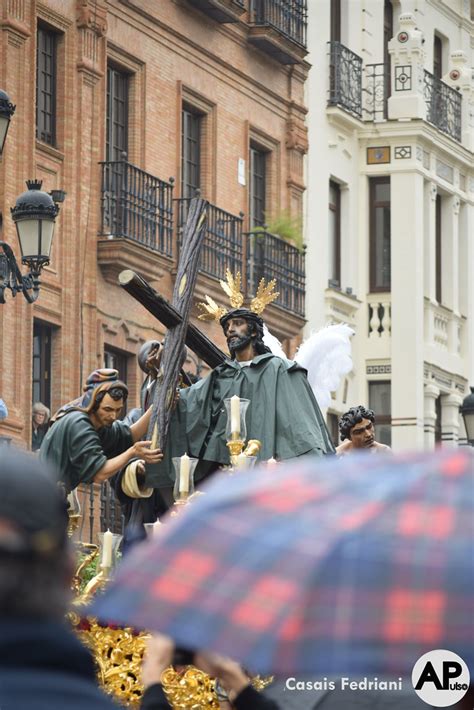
(78,451)
(283,415)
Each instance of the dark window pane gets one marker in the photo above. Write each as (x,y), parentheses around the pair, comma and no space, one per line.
(46,86)
(190,153)
(335,29)
(333,426)
(438,427)
(383,434)
(437,57)
(41,365)
(380,233)
(117,114)
(387,36)
(334,232)
(382,191)
(380,400)
(116,360)
(438,247)
(258,187)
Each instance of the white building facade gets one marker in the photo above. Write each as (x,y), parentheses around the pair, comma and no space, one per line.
(390,208)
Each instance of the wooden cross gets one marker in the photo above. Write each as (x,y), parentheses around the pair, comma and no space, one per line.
(175,317)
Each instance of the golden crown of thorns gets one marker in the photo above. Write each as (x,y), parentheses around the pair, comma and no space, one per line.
(265,295)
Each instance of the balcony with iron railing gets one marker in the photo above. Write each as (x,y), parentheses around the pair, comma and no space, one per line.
(270,257)
(279,28)
(136,214)
(222,245)
(363,92)
(137,205)
(443,106)
(345,79)
(375,91)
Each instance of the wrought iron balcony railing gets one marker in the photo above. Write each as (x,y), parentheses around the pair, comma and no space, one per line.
(376,91)
(96,510)
(443,106)
(288,17)
(271,257)
(137,205)
(222,246)
(345,79)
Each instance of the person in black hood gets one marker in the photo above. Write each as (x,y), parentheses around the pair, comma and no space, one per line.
(42,663)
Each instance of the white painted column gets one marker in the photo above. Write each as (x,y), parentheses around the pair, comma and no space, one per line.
(407,79)
(450,253)
(450,423)
(407,310)
(468,225)
(430,193)
(453,277)
(431,394)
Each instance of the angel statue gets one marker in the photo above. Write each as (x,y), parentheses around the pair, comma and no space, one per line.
(283,414)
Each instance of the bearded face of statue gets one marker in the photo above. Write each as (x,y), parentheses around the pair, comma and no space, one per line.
(239,334)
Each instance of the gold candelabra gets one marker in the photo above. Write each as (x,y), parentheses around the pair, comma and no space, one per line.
(237,450)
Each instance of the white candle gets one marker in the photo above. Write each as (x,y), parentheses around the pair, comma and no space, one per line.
(107,549)
(235,416)
(156,527)
(184,474)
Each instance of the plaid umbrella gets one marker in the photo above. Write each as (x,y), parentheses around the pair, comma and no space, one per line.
(354,565)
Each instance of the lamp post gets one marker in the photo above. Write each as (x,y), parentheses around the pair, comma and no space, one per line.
(467,411)
(34,215)
(7,109)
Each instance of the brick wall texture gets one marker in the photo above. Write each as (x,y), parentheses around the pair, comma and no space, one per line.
(173,52)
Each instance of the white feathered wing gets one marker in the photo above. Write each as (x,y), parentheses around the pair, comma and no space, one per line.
(273,343)
(326,355)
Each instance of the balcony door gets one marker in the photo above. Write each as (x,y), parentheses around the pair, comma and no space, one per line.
(190,152)
(42,339)
(380,237)
(335,28)
(116,147)
(437,57)
(258,188)
(116,139)
(387,36)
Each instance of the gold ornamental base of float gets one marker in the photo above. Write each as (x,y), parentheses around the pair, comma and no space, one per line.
(119,652)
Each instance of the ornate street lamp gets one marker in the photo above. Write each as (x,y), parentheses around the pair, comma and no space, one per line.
(7,109)
(467,411)
(34,214)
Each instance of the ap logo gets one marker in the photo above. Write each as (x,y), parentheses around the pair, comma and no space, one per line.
(440,678)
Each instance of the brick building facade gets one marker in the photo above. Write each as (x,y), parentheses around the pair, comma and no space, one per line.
(112,98)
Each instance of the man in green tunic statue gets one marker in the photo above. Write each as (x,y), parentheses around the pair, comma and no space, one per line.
(283,413)
(87,442)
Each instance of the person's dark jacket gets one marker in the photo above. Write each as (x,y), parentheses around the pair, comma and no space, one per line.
(37,436)
(43,666)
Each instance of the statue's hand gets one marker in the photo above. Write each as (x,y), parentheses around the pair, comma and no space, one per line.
(143,451)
